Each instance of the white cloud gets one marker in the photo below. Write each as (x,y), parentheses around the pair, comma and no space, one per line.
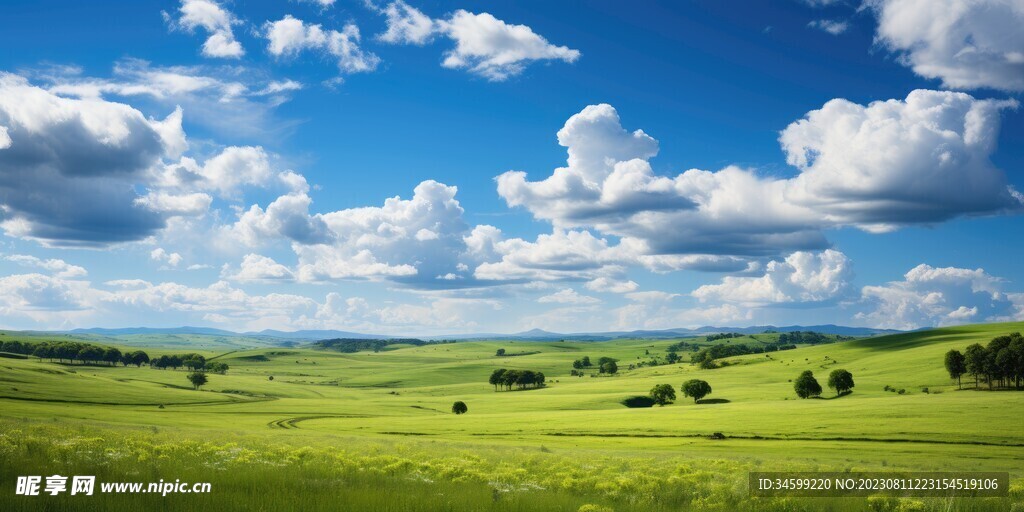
(834,27)
(652,296)
(86,157)
(484,45)
(290,36)
(172,259)
(406,24)
(215,20)
(255,267)
(877,167)
(189,204)
(41,298)
(568,296)
(802,277)
(58,267)
(562,255)
(930,296)
(604,284)
(966,44)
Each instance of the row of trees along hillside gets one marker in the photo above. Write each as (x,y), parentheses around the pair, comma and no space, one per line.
(999,365)
(521,379)
(349,345)
(87,353)
(73,351)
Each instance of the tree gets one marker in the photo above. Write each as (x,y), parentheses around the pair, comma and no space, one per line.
(193,362)
(500,352)
(672,357)
(696,389)
(841,381)
(112,356)
(586,361)
(217,367)
(43,351)
(956,365)
(610,368)
(90,353)
(140,358)
(806,385)
(975,357)
(663,394)
(197,379)
(497,378)
(459,407)
(603,360)
(577,364)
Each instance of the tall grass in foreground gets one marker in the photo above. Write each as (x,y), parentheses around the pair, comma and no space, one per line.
(261,473)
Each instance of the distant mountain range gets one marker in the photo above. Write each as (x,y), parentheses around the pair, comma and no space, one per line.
(531,335)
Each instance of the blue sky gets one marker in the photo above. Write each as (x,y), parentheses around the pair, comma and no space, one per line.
(230,164)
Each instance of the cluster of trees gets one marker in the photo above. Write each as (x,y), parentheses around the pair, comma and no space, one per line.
(804,337)
(723,336)
(192,361)
(1000,364)
(72,351)
(607,365)
(806,386)
(706,356)
(521,379)
(349,345)
(683,346)
(662,394)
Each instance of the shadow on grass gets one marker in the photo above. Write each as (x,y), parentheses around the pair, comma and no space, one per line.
(833,397)
(712,401)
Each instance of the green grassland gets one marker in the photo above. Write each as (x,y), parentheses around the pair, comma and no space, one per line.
(374,431)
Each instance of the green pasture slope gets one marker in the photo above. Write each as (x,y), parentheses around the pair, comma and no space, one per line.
(374,431)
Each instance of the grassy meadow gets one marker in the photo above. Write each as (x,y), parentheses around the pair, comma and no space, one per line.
(374,431)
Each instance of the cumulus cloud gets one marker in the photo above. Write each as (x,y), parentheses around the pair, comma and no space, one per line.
(568,296)
(231,99)
(172,259)
(58,267)
(937,296)
(85,157)
(604,284)
(407,25)
(801,278)
(834,27)
(40,297)
(484,45)
(560,256)
(964,43)
(256,267)
(215,20)
(924,159)
(290,36)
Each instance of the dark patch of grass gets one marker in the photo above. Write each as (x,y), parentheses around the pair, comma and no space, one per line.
(638,401)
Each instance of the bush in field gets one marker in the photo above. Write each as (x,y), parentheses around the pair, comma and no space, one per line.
(841,381)
(459,407)
(663,394)
(500,352)
(197,379)
(806,385)
(696,389)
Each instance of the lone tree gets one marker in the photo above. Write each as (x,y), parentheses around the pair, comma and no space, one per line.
(586,361)
(197,379)
(609,367)
(459,407)
(841,381)
(663,394)
(500,352)
(696,389)
(956,365)
(806,385)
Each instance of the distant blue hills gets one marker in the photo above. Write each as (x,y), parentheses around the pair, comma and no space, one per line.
(531,335)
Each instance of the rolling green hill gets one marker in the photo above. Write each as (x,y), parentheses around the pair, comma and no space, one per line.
(401,397)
